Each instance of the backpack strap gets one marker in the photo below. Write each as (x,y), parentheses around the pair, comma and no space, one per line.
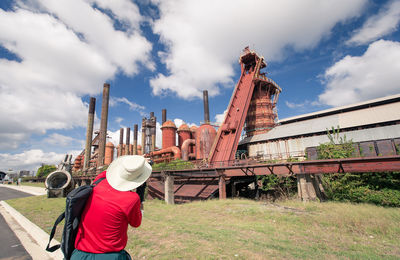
(53,231)
(98,181)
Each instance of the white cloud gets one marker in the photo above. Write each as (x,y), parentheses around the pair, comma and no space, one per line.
(31,159)
(358,78)
(114,101)
(203,39)
(379,25)
(62,140)
(219,118)
(66,49)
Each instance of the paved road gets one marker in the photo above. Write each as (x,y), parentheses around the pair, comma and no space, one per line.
(10,246)
(7,194)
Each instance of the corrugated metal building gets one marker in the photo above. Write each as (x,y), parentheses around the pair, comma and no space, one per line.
(371,120)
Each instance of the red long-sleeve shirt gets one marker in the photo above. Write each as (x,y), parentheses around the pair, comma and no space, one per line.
(104,223)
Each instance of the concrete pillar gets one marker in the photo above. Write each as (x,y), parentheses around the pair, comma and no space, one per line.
(103,124)
(309,187)
(89,133)
(222,187)
(169,189)
(127,140)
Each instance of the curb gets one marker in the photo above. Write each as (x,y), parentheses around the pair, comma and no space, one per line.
(40,237)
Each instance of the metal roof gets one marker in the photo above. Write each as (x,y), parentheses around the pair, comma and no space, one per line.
(341,109)
(363,116)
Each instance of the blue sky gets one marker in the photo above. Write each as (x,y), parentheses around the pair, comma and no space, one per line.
(55,55)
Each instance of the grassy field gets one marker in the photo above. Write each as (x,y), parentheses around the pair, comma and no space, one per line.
(244,229)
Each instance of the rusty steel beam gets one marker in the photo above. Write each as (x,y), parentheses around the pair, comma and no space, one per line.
(356,165)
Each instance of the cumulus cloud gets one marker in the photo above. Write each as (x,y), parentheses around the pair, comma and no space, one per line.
(64,49)
(203,39)
(62,140)
(114,101)
(219,118)
(358,78)
(379,25)
(31,159)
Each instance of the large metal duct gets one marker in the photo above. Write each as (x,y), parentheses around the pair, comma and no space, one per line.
(59,183)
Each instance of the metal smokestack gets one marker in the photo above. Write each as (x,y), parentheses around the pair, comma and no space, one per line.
(206,109)
(153,131)
(121,142)
(164,116)
(135,133)
(89,133)
(143,134)
(103,124)
(127,140)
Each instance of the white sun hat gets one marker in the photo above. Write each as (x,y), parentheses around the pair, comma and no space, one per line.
(128,172)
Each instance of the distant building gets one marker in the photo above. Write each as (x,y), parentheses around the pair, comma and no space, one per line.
(24,173)
(373,120)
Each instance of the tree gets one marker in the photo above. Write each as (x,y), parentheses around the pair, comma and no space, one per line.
(45,170)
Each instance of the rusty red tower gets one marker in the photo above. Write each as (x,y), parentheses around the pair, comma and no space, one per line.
(183,134)
(168,134)
(262,110)
(253,90)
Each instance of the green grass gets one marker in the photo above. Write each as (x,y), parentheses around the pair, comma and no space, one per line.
(244,229)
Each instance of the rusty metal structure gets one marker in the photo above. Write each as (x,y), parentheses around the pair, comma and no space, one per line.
(215,171)
(183,134)
(224,149)
(168,134)
(149,134)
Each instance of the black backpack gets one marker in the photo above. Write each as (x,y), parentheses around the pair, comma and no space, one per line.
(75,204)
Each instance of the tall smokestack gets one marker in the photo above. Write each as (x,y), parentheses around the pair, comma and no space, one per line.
(206,109)
(121,142)
(135,132)
(164,116)
(143,134)
(89,133)
(153,131)
(103,124)
(127,140)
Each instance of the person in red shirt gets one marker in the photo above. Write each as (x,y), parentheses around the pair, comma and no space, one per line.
(112,206)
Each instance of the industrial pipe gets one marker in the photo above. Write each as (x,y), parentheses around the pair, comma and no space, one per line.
(173,149)
(103,124)
(186,148)
(59,183)
(206,107)
(89,133)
